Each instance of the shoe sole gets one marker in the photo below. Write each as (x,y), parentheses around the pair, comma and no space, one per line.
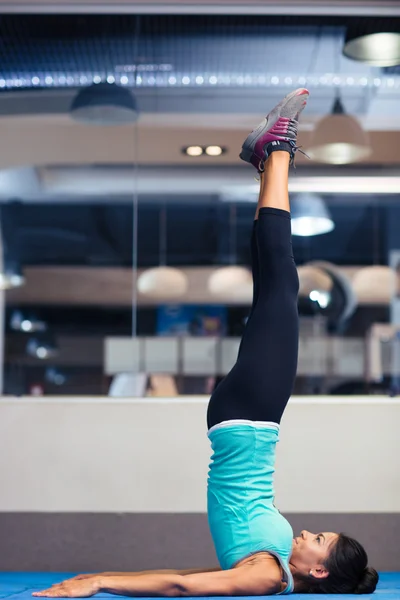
(269,121)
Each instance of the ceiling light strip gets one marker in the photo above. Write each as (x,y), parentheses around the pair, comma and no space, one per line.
(269,7)
(162,79)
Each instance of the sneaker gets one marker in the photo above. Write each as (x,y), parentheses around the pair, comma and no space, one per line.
(278,131)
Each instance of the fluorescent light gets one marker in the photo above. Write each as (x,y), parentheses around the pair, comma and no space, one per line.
(318,185)
(346,185)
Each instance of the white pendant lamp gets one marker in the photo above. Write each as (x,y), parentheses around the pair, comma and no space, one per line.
(377,48)
(231,282)
(163,283)
(104,104)
(310,216)
(339,138)
(374,284)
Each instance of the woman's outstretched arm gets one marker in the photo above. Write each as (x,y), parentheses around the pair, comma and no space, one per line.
(150,572)
(253,580)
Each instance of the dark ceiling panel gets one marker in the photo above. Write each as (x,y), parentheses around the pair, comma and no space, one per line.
(196,235)
(79,46)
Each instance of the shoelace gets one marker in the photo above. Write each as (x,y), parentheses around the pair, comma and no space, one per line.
(261,166)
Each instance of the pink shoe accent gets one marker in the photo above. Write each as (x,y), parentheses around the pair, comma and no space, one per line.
(279,125)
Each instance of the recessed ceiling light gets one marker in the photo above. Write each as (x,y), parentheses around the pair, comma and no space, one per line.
(193,150)
(214,150)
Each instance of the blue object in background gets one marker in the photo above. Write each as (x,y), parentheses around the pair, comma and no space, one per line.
(202,321)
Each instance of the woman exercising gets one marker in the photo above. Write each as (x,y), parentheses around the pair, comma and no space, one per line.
(254,543)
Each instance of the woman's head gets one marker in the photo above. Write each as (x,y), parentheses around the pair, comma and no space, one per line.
(331,563)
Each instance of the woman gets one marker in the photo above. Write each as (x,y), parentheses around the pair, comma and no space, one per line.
(254,542)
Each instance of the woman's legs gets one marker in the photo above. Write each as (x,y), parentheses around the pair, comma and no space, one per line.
(276,194)
(274,183)
(259,385)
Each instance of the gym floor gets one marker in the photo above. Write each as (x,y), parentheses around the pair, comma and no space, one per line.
(19,586)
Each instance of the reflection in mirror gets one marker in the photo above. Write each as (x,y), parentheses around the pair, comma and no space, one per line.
(325,291)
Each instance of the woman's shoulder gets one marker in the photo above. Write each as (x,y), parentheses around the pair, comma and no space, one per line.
(266,568)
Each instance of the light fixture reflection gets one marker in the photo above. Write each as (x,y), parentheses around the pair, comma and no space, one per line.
(322,298)
(11,277)
(41,349)
(26,323)
(163,282)
(310,216)
(193,150)
(214,150)
(105,104)
(54,376)
(231,282)
(380,49)
(339,139)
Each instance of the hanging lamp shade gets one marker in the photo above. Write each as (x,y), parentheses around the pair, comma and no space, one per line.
(377,48)
(374,285)
(105,104)
(163,283)
(231,282)
(339,138)
(310,216)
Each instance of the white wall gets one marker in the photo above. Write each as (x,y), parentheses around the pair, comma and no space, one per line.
(151,455)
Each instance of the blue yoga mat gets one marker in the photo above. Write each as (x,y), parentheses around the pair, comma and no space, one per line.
(19,586)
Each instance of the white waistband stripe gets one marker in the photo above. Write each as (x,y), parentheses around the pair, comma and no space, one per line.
(255,424)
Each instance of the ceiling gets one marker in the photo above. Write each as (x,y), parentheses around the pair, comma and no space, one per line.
(74,184)
(358,7)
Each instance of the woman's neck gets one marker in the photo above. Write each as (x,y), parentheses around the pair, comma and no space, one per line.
(300,583)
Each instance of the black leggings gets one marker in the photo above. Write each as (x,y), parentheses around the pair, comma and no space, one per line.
(259,385)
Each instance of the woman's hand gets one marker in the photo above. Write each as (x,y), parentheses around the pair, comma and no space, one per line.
(72,588)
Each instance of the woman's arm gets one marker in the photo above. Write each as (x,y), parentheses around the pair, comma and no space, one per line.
(152,572)
(262,577)
(254,580)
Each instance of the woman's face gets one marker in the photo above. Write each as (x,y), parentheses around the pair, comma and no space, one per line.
(310,551)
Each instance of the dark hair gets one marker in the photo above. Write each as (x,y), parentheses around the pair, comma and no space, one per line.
(348,569)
